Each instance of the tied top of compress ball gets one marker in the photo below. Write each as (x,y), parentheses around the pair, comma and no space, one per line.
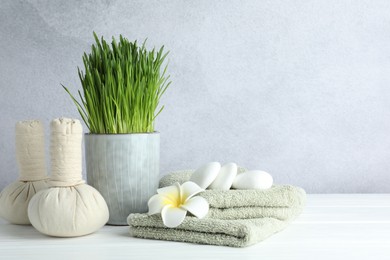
(32,127)
(66,127)
(66,152)
(30,150)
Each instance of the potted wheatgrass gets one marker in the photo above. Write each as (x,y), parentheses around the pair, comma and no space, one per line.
(122,84)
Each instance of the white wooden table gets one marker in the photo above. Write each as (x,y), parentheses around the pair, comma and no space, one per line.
(350,226)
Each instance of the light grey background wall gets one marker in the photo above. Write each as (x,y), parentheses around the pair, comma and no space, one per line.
(297,88)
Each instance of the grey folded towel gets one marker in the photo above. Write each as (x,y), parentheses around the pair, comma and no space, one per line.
(236,218)
(283,202)
(183,176)
(234,233)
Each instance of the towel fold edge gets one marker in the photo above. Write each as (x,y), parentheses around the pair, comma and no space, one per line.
(234,233)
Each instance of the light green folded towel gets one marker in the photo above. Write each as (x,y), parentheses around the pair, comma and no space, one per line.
(236,218)
(234,233)
(183,176)
(283,202)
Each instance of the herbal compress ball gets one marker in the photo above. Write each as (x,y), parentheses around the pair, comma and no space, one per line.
(70,207)
(30,157)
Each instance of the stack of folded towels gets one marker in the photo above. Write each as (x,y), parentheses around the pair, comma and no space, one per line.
(236,218)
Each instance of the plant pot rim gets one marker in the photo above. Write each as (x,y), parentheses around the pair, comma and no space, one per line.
(147,133)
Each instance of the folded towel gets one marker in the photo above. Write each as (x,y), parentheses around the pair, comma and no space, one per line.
(183,176)
(236,218)
(234,233)
(283,202)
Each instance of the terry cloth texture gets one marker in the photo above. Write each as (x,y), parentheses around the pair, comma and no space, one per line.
(234,233)
(236,218)
(283,202)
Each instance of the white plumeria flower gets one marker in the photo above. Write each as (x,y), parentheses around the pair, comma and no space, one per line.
(173,202)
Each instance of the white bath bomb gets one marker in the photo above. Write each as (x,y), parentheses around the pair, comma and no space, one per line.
(68,211)
(253,180)
(14,200)
(206,174)
(225,177)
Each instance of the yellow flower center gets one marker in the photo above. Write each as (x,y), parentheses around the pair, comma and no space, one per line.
(175,201)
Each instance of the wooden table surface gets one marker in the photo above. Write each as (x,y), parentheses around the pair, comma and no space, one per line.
(333,226)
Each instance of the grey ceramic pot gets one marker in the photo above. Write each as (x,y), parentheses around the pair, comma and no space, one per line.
(124,168)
